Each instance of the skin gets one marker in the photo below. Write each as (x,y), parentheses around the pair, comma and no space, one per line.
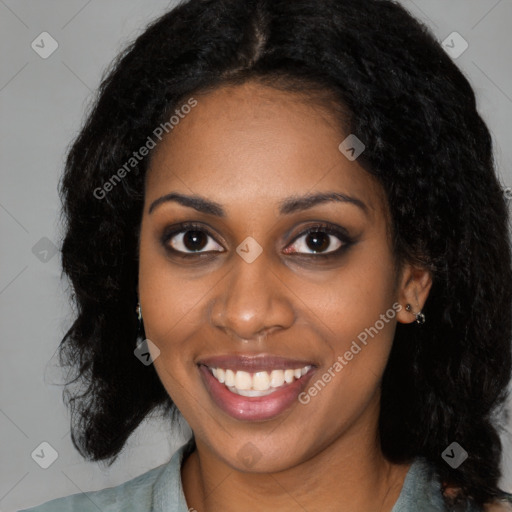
(248,147)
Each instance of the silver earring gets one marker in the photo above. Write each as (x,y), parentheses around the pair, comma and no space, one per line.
(420,317)
(138,311)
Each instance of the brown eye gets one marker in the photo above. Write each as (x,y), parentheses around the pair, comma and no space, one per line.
(194,240)
(190,239)
(319,240)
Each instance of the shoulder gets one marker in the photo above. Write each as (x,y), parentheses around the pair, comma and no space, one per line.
(423,492)
(159,489)
(135,494)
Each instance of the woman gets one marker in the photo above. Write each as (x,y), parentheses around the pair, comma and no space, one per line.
(284,222)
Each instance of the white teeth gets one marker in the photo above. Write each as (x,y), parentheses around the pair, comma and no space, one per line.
(243,380)
(258,383)
(230,378)
(277,378)
(250,392)
(289,376)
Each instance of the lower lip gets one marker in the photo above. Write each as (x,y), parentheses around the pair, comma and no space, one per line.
(253,408)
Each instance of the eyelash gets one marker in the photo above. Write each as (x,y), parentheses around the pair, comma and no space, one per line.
(328,229)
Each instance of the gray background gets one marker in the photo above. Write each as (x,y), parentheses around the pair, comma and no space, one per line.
(42,104)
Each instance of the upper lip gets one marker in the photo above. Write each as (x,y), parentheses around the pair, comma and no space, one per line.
(252,364)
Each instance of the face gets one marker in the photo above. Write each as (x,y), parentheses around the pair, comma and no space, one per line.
(234,284)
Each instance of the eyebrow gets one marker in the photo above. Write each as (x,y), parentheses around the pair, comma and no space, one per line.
(286,207)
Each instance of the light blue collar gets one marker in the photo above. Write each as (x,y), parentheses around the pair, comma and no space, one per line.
(168,490)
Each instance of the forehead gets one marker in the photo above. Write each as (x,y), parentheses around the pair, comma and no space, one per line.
(252,142)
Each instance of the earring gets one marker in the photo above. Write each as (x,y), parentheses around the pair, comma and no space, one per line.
(420,317)
(138,311)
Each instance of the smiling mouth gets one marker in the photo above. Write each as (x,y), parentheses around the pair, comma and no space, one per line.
(254,388)
(259,383)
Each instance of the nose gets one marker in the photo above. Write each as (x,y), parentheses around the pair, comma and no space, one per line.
(252,302)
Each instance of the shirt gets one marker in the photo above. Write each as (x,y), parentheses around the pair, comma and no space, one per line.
(160,490)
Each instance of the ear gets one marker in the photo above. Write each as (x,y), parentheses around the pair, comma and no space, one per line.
(413,288)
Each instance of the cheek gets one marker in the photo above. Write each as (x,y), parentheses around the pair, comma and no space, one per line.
(170,300)
(171,304)
(357,331)
(354,314)
(352,299)
(356,349)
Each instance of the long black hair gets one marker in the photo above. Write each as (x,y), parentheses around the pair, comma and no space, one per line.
(425,142)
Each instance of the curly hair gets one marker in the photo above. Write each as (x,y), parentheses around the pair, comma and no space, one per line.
(426,143)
